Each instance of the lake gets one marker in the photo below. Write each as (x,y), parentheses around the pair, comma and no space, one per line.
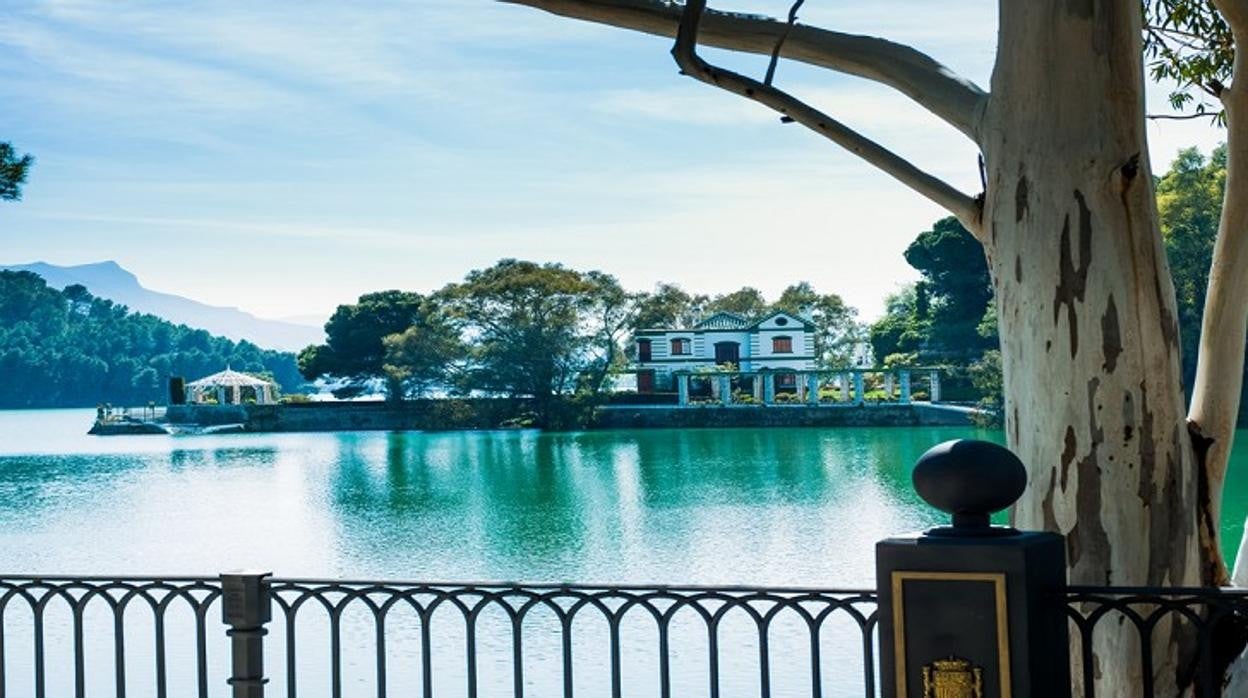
(756,506)
(748,506)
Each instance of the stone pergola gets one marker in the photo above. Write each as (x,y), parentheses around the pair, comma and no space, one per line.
(229,388)
(850,384)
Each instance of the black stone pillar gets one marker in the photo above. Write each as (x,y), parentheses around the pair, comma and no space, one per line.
(972,610)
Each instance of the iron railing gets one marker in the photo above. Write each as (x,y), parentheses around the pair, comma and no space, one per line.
(1214,627)
(198,636)
(165,637)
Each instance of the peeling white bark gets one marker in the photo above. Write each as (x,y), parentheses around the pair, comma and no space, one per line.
(1087,312)
(1216,392)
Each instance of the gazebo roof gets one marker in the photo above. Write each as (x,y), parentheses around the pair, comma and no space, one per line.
(228,379)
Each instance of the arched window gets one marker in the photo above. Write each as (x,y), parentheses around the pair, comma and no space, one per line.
(782,345)
(681,347)
(643,350)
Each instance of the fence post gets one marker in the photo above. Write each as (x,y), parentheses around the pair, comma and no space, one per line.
(246,608)
(973,609)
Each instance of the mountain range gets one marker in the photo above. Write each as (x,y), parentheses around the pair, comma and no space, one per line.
(110,280)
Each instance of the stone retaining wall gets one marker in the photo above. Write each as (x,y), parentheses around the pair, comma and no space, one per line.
(428,415)
(709,416)
(438,415)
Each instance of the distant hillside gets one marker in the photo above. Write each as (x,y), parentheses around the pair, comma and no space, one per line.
(70,349)
(109,280)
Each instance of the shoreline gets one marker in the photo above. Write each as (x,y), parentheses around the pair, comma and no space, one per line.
(495,413)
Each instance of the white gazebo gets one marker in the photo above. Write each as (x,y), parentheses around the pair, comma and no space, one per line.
(229,388)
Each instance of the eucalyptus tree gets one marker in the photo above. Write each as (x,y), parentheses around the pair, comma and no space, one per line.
(1069,225)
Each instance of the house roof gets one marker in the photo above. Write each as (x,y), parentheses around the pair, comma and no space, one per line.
(228,379)
(803,322)
(723,321)
(729,321)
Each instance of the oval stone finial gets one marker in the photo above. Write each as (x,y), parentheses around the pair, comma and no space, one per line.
(971,480)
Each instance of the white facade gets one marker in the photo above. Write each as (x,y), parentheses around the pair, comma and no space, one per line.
(778,341)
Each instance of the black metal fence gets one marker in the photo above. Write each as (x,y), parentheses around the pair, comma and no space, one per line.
(1215,625)
(193,636)
(163,637)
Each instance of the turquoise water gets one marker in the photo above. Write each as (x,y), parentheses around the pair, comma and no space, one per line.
(799,507)
(750,506)
(757,506)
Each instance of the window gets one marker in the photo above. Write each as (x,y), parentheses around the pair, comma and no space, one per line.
(643,350)
(786,380)
(681,347)
(782,345)
(782,321)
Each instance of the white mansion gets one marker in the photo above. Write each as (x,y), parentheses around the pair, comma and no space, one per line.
(779,342)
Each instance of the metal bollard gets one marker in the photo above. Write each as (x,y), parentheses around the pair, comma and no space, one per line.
(246,607)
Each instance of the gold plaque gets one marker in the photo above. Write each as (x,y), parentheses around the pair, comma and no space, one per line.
(952,678)
(899,578)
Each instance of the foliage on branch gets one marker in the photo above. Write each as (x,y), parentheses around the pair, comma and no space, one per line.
(1189,43)
(538,330)
(940,318)
(354,353)
(13,171)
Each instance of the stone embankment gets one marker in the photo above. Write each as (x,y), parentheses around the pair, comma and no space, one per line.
(438,415)
(714,416)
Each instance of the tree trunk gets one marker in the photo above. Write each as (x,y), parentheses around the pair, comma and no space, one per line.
(1090,350)
(1217,393)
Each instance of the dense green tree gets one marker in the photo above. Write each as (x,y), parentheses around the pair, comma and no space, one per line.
(1189,201)
(956,288)
(525,322)
(668,305)
(13,171)
(940,319)
(837,329)
(611,312)
(354,355)
(748,302)
(422,358)
(70,349)
(904,327)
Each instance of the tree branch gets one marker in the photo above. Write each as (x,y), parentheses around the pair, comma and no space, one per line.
(959,204)
(1216,392)
(1182,117)
(913,73)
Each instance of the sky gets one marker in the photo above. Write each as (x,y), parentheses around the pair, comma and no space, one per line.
(284,157)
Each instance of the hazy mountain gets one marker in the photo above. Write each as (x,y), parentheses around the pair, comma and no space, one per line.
(109,280)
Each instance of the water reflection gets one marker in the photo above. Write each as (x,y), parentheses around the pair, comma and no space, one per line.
(782,506)
(731,505)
